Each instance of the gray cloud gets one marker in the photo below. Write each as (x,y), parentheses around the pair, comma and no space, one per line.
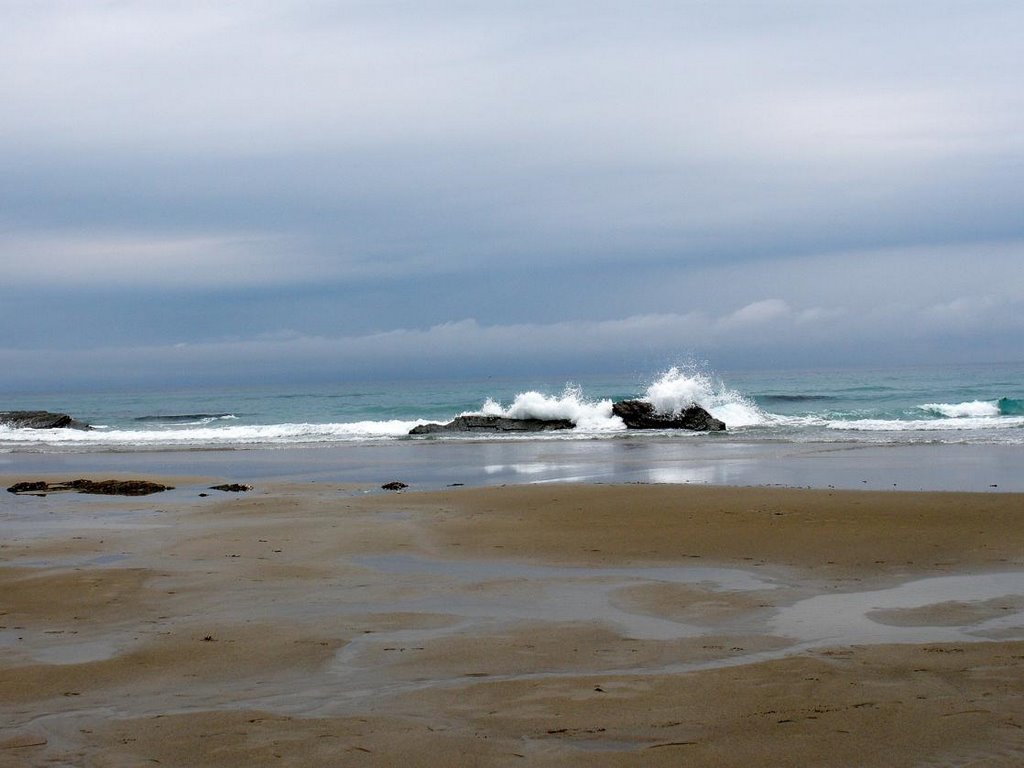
(744,337)
(212,174)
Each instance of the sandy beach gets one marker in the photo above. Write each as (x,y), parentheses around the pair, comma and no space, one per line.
(317,623)
(469,384)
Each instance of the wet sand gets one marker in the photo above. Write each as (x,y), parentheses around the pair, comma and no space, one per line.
(428,464)
(310,624)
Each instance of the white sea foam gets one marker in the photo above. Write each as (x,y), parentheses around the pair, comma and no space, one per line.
(928,425)
(227,435)
(587,415)
(973,409)
(675,390)
(672,391)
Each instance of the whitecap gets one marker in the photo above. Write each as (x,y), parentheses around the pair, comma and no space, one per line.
(675,390)
(227,435)
(927,425)
(973,409)
(588,415)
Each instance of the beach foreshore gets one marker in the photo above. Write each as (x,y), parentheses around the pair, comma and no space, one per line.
(429,464)
(331,623)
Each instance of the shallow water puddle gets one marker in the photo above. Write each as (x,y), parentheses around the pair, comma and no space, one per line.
(55,647)
(516,591)
(481,595)
(76,653)
(915,612)
(487,570)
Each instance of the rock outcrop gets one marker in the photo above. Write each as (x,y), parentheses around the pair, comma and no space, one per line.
(105,487)
(639,414)
(492,424)
(40,420)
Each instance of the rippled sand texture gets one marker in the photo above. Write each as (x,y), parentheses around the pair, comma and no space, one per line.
(314,624)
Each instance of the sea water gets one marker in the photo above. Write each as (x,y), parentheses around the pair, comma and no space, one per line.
(935,405)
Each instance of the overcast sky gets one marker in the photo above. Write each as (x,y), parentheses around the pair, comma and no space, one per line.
(211,191)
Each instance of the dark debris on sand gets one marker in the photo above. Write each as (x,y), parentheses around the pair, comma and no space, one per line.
(102,487)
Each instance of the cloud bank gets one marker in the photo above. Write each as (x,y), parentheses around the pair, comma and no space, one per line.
(764,175)
(764,334)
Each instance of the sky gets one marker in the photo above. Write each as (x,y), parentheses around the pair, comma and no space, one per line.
(215,192)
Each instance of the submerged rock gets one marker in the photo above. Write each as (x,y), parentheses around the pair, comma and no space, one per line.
(231,487)
(40,420)
(104,487)
(639,414)
(492,424)
(394,485)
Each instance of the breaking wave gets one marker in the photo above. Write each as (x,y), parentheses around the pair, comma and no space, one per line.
(975,409)
(590,415)
(674,391)
(249,435)
(959,424)
(795,410)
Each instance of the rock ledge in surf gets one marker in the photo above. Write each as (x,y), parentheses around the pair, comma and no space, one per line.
(104,487)
(492,424)
(40,420)
(639,414)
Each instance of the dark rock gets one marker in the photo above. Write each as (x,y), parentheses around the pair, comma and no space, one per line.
(232,487)
(394,485)
(29,487)
(639,414)
(40,420)
(104,487)
(118,487)
(492,424)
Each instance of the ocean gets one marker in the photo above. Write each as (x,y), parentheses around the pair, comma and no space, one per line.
(948,405)
(941,429)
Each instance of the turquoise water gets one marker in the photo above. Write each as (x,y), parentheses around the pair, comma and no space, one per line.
(968,404)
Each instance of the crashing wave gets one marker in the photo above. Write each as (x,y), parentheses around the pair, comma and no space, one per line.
(590,415)
(675,390)
(972,410)
(670,394)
